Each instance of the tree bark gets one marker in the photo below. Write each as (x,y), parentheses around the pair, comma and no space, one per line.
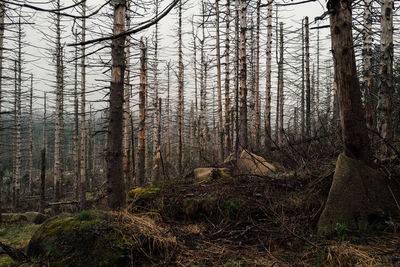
(243,139)
(308,82)
(76,126)
(355,136)
(227,141)
(115,175)
(385,81)
(82,185)
(218,55)
(142,118)
(127,162)
(180,95)
(268,80)
(367,63)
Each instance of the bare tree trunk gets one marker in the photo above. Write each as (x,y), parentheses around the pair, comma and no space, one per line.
(268,80)
(218,55)
(18,158)
(317,103)
(303,118)
(243,140)
(76,126)
(227,141)
(308,85)
(281,99)
(115,175)
(127,107)
(180,96)
(355,136)
(14,182)
(385,83)
(257,79)
(236,79)
(196,115)
(2,15)
(156,164)
(58,119)
(43,162)
(203,104)
(83,114)
(31,138)
(367,63)
(168,144)
(192,129)
(142,119)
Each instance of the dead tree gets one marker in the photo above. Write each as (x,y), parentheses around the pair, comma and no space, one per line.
(180,94)
(385,82)
(243,140)
(58,112)
(115,175)
(42,191)
(76,125)
(31,138)
(227,139)
(142,117)
(235,136)
(281,130)
(127,107)
(308,82)
(82,185)
(156,164)
(367,63)
(268,80)
(218,55)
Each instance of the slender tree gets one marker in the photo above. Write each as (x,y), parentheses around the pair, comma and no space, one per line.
(142,117)
(243,75)
(268,80)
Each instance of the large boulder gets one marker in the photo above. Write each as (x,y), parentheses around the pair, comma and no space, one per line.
(359,195)
(100,239)
(250,163)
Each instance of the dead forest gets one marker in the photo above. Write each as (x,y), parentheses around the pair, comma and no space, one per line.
(199,133)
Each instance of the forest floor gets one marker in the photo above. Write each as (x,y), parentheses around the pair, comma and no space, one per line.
(242,220)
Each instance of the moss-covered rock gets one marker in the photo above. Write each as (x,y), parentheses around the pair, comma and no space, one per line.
(205,174)
(144,194)
(96,238)
(35,217)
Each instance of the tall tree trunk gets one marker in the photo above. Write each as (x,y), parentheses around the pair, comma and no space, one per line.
(257,79)
(203,103)
(218,55)
(168,144)
(196,115)
(42,202)
(243,140)
(355,136)
(303,117)
(76,126)
(180,95)
(83,113)
(385,83)
(127,107)
(142,118)
(58,119)
(2,15)
(115,175)
(367,63)
(156,164)
(18,157)
(268,80)
(281,130)
(31,138)
(308,82)
(227,141)
(236,127)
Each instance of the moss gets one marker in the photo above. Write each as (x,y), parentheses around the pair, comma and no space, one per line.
(198,206)
(17,235)
(83,240)
(143,194)
(5,261)
(232,207)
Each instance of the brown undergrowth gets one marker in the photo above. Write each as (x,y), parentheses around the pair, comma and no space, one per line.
(264,221)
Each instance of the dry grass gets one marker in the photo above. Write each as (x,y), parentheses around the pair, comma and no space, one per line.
(154,241)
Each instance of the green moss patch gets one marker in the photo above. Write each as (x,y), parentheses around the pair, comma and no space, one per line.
(98,238)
